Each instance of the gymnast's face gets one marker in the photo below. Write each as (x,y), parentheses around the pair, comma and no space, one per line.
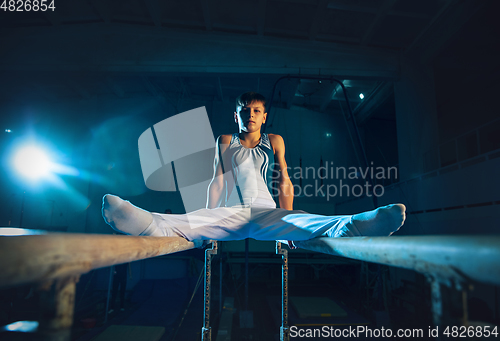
(250,117)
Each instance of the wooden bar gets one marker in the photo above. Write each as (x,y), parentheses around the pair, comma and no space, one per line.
(40,258)
(448,259)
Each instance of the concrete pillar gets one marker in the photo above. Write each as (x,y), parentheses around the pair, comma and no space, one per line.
(416,116)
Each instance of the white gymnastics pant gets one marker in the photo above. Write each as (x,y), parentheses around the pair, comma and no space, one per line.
(261,223)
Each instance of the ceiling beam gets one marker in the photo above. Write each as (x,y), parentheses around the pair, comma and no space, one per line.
(446,23)
(439,13)
(318,19)
(98,29)
(450,19)
(187,52)
(381,13)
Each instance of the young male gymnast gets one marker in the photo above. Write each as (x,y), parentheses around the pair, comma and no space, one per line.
(239,202)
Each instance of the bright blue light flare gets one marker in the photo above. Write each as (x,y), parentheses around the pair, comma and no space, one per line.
(15,231)
(32,162)
(328,134)
(22,326)
(361,96)
(8,131)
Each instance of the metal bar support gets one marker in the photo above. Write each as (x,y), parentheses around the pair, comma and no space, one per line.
(220,284)
(437,303)
(206,331)
(246,273)
(108,298)
(284,330)
(58,300)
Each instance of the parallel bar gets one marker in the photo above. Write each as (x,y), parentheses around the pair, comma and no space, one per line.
(206,331)
(284,330)
(247,251)
(220,284)
(437,303)
(448,259)
(108,297)
(57,302)
(38,258)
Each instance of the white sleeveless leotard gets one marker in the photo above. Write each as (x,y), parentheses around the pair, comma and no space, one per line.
(249,173)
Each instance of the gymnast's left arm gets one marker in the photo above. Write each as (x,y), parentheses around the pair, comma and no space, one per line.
(285,184)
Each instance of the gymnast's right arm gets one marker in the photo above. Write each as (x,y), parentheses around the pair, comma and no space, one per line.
(216,186)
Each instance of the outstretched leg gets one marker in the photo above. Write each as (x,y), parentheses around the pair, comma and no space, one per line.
(283,225)
(223,223)
(231,223)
